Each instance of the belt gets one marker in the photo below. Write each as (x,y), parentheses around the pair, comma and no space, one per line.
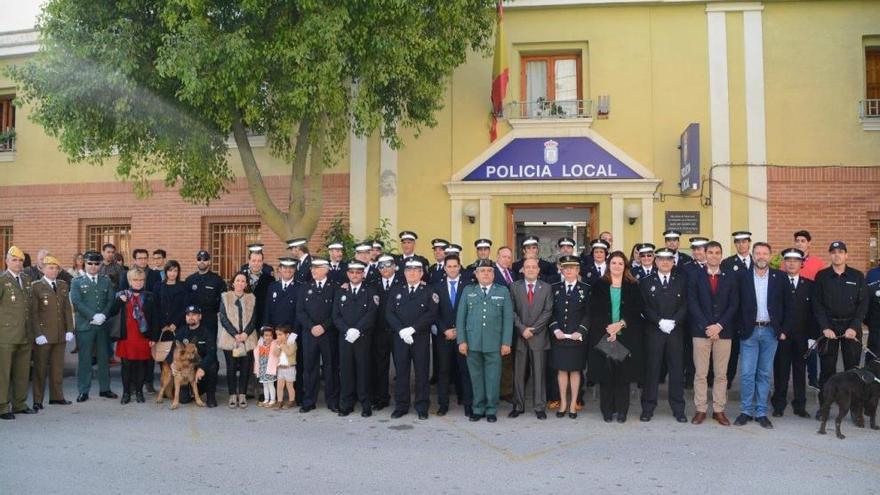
(841,320)
(762,323)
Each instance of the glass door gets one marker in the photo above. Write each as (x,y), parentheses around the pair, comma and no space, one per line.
(549,223)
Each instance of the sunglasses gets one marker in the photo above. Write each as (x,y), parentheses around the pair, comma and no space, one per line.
(646,255)
(93,263)
(202,258)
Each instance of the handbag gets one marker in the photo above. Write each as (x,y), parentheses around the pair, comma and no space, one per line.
(161,349)
(239,350)
(614,351)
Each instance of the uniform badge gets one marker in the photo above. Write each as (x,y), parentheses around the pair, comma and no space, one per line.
(735,267)
(376,300)
(274,295)
(185,341)
(590,275)
(398,296)
(877,293)
(435,298)
(310,291)
(653,288)
(343,298)
(45,302)
(195,287)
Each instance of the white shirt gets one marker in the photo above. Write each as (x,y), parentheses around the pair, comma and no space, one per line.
(601,269)
(794,280)
(285,284)
(355,288)
(320,283)
(386,282)
(664,277)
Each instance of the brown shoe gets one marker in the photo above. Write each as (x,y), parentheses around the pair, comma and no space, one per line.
(721,418)
(553,404)
(699,417)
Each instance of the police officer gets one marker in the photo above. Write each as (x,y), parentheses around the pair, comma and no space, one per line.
(408,246)
(320,339)
(872,318)
(565,246)
(665,295)
(436,272)
(378,248)
(280,308)
(206,343)
(568,355)
(840,304)
(338,266)
(380,351)
(530,250)
(205,288)
(645,268)
(16,336)
(354,314)
(484,332)
(52,326)
(742,259)
(299,250)
(410,312)
(698,249)
(671,240)
(483,247)
(362,255)
(256,248)
(596,270)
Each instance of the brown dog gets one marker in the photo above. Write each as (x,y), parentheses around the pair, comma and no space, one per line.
(183,370)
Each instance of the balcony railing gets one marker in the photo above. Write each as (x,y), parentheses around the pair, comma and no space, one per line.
(549,109)
(869,109)
(7,140)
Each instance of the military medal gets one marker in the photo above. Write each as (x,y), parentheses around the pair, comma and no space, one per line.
(436,298)
(45,302)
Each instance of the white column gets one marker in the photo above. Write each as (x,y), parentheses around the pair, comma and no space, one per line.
(756,138)
(647,220)
(486,217)
(388,186)
(357,186)
(617,220)
(455,221)
(719,118)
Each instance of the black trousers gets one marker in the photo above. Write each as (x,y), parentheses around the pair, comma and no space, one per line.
(851,350)
(613,394)
(207,385)
(664,348)
(688,356)
(380,353)
(789,362)
(133,373)
(452,367)
(418,356)
(551,381)
(238,372)
(320,355)
(354,372)
(873,345)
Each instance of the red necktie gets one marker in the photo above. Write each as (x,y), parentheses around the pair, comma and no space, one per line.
(507,276)
(531,294)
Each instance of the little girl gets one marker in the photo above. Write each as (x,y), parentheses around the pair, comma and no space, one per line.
(285,351)
(266,364)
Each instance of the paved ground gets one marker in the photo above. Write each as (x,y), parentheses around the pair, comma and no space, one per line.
(104,447)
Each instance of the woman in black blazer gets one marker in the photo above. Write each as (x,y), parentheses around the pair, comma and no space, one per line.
(616,314)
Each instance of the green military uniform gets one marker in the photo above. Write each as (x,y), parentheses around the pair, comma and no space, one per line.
(52,318)
(15,340)
(485,323)
(90,298)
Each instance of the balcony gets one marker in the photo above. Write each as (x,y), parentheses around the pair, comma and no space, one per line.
(869,114)
(549,113)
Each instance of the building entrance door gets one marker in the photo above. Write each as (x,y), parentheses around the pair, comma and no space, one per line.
(549,223)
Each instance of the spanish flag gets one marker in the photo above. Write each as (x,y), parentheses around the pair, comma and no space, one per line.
(500,73)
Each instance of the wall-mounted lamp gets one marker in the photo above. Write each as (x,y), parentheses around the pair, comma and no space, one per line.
(633,212)
(471,211)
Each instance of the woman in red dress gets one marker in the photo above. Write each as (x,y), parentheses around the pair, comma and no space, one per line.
(137,331)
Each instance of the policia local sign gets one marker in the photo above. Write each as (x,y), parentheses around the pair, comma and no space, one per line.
(564,158)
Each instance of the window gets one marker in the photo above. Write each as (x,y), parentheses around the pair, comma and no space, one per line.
(871,107)
(229,245)
(873,240)
(551,86)
(7,124)
(118,234)
(5,241)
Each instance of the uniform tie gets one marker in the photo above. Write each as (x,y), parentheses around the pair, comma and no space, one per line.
(486,291)
(18,279)
(54,288)
(411,290)
(568,289)
(665,281)
(354,292)
(793,283)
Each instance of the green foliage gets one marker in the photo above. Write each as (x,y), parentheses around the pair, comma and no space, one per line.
(339,232)
(161,82)
(776,261)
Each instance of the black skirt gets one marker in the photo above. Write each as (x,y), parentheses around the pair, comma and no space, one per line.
(568,357)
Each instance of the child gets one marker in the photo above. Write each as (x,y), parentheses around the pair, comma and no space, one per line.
(266,364)
(285,352)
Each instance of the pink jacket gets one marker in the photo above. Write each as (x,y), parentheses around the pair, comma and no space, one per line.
(272,367)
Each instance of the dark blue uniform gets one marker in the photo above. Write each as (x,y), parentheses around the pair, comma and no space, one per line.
(639,272)
(206,343)
(205,290)
(338,274)
(436,274)
(571,315)
(280,309)
(799,325)
(380,351)
(314,306)
(419,311)
(401,264)
(356,311)
(303,273)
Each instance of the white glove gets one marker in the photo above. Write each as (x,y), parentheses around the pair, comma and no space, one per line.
(410,331)
(291,338)
(41,340)
(68,336)
(408,339)
(403,334)
(667,326)
(98,319)
(810,343)
(352,334)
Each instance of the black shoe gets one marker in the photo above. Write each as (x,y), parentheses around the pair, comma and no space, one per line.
(475,417)
(380,405)
(423,415)
(560,414)
(764,422)
(608,418)
(802,413)
(107,394)
(366,413)
(334,409)
(778,414)
(61,402)
(621,418)
(343,414)
(541,415)
(681,418)
(813,384)
(305,409)
(468,411)
(514,414)
(645,417)
(211,403)
(150,388)
(37,406)
(82,397)
(442,411)
(139,397)
(742,419)
(26,410)
(8,415)
(126,398)
(573,415)
(491,418)
(398,414)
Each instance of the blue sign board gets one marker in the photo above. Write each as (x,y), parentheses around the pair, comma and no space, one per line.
(564,158)
(689,147)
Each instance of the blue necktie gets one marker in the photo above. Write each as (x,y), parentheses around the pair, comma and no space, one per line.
(452,293)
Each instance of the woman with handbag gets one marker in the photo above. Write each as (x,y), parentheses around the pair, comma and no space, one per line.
(615,338)
(237,338)
(172,298)
(137,325)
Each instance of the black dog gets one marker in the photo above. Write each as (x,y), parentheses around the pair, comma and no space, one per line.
(856,390)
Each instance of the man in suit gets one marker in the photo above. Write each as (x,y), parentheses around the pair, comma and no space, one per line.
(436,272)
(712,301)
(799,326)
(762,306)
(646,264)
(141,259)
(381,343)
(485,332)
(452,366)
(299,250)
(320,338)
(532,308)
(52,326)
(741,260)
(280,309)
(665,296)
(92,299)
(15,335)
(354,314)
(259,281)
(410,312)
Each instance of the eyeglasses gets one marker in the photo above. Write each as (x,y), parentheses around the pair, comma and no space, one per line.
(202,258)
(93,263)
(646,255)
